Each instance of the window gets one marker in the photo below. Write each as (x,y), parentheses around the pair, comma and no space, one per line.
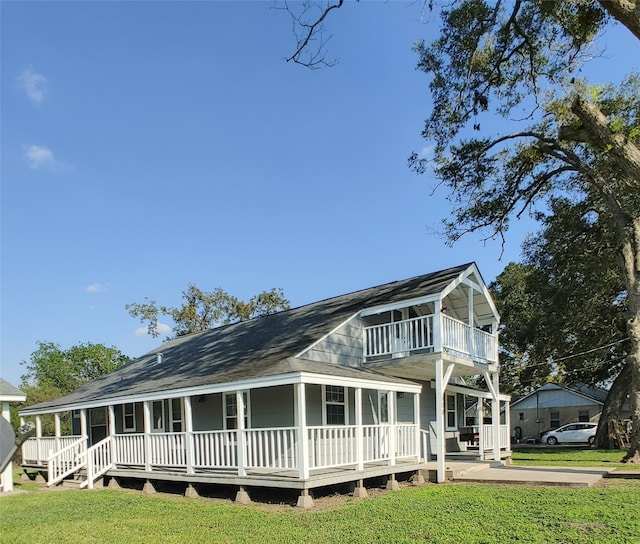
(176,415)
(583,415)
(452,413)
(521,416)
(555,420)
(334,405)
(157,416)
(383,406)
(231,410)
(129,417)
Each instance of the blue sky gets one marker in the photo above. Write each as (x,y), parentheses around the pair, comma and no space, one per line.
(146,145)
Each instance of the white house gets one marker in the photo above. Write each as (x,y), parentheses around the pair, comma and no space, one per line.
(8,394)
(553,405)
(362,385)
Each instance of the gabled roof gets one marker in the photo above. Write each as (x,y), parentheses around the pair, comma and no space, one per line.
(592,393)
(260,347)
(9,393)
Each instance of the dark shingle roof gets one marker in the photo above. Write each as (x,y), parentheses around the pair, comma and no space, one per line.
(259,347)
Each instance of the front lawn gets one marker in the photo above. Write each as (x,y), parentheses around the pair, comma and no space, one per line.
(446,513)
(571,456)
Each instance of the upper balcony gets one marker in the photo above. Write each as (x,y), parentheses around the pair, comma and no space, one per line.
(427,336)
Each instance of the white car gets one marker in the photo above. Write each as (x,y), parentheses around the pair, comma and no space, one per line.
(571,433)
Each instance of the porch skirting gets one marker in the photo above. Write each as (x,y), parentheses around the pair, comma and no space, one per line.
(282,479)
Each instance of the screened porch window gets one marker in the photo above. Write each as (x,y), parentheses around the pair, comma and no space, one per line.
(231,410)
(334,405)
(129,417)
(452,413)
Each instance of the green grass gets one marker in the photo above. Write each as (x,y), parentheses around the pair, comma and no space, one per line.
(447,513)
(578,457)
(457,513)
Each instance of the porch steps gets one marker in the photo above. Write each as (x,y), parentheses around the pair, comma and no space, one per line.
(75,480)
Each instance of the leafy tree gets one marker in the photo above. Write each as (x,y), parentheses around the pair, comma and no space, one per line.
(519,61)
(52,372)
(202,310)
(563,308)
(492,60)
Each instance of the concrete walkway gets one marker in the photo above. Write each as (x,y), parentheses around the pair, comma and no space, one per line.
(511,474)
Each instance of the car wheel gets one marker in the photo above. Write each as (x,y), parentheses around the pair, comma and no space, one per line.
(592,440)
(552,441)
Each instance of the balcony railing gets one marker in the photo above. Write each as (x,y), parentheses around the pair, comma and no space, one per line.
(405,337)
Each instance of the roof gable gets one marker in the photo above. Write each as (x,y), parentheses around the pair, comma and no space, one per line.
(589,395)
(248,349)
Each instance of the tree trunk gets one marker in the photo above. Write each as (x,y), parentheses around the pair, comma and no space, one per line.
(626,12)
(623,151)
(630,257)
(620,390)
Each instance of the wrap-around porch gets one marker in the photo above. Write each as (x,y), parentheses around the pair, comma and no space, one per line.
(362,431)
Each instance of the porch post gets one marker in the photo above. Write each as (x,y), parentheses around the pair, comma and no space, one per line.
(83,423)
(480,411)
(440,440)
(146,418)
(242,437)
(437,327)
(393,427)
(303,441)
(416,419)
(188,428)
(507,420)
(111,419)
(6,477)
(57,432)
(495,416)
(359,431)
(41,455)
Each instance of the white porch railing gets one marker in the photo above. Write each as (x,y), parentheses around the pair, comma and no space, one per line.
(273,449)
(488,433)
(66,461)
(468,342)
(332,446)
(215,449)
(403,337)
(99,461)
(37,450)
(168,449)
(399,337)
(129,450)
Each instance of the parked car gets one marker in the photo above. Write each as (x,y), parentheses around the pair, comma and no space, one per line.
(571,433)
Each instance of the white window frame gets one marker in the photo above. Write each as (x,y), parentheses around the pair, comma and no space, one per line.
(172,420)
(383,402)
(132,415)
(325,403)
(247,410)
(154,427)
(448,410)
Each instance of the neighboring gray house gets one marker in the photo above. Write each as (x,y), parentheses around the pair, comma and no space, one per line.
(340,390)
(8,394)
(553,405)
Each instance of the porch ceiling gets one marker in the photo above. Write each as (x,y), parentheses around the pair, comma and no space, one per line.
(422,367)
